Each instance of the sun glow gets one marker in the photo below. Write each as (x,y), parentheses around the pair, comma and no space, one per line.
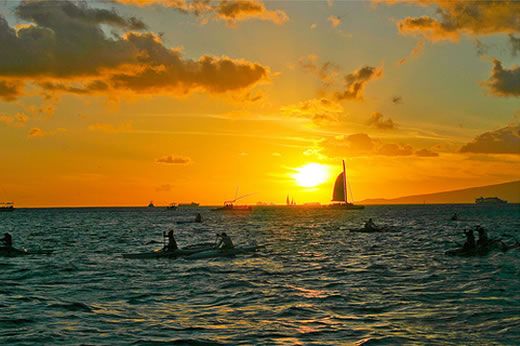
(312,174)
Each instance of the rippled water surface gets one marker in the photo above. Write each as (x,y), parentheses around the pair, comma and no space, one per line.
(313,283)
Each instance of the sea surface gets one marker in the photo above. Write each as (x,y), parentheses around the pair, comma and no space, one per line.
(314,283)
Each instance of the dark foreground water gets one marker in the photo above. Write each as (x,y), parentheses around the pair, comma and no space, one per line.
(314,283)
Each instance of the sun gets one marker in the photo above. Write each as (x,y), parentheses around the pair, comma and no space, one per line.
(310,175)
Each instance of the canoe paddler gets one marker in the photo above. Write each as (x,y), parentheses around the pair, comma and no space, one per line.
(224,242)
(172,244)
(7,240)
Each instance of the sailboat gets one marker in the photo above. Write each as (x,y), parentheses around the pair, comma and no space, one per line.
(230,206)
(339,194)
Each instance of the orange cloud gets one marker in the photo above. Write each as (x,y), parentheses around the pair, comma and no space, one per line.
(65,50)
(174,160)
(456,18)
(502,141)
(318,110)
(426,153)
(361,144)
(17,120)
(334,21)
(36,132)
(230,11)
(377,120)
(109,128)
(10,90)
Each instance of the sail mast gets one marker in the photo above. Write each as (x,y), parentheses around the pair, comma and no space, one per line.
(345,183)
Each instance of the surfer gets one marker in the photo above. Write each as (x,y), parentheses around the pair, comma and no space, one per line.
(224,242)
(172,244)
(483,239)
(198,218)
(470,240)
(7,240)
(370,225)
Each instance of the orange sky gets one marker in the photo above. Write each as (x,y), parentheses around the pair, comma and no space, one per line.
(105,104)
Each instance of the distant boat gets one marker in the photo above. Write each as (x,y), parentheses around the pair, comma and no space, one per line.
(230,206)
(339,194)
(6,206)
(192,204)
(172,206)
(291,202)
(490,200)
(150,205)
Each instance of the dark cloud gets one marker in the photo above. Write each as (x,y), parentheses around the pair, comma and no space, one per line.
(62,11)
(66,50)
(397,100)
(504,82)
(426,153)
(377,120)
(174,160)
(327,72)
(36,132)
(503,141)
(361,144)
(455,18)
(356,82)
(515,44)
(318,110)
(230,11)
(10,90)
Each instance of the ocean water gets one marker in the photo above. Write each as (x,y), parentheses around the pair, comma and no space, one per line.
(314,283)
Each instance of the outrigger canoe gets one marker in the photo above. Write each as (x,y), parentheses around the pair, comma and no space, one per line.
(13,252)
(382,229)
(494,244)
(164,253)
(214,253)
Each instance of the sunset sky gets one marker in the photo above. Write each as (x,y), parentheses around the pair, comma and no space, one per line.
(116,103)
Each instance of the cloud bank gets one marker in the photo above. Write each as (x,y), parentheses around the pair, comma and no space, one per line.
(503,141)
(64,49)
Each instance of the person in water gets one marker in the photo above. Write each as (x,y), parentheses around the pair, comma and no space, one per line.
(224,242)
(172,244)
(198,218)
(455,217)
(470,240)
(7,240)
(483,239)
(370,224)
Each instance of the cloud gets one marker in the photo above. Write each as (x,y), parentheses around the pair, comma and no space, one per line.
(515,44)
(503,141)
(10,90)
(334,21)
(356,82)
(415,52)
(361,144)
(17,120)
(327,72)
(110,128)
(392,149)
(174,160)
(397,100)
(36,132)
(504,82)
(164,188)
(230,11)
(377,120)
(65,49)
(313,26)
(426,153)
(455,18)
(317,109)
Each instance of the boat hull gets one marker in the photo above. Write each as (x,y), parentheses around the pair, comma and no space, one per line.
(348,206)
(215,253)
